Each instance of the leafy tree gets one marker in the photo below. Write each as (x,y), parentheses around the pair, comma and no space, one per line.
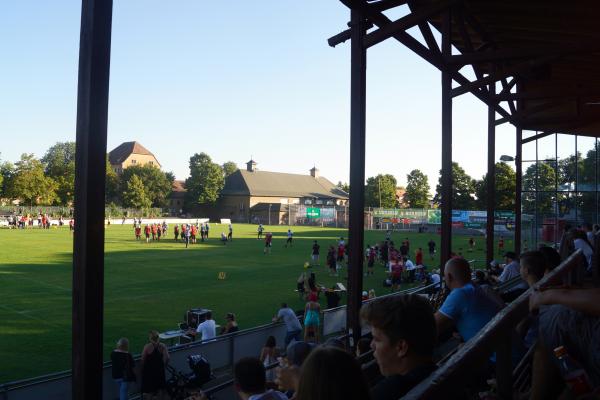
(29,183)
(381,190)
(59,162)
(111,194)
(343,186)
(205,181)
(546,176)
(417,189)
(157,185)
(463,189)
(505,188)
(6,172)
(170,176)
(135,194)
(229,168)
(568,173)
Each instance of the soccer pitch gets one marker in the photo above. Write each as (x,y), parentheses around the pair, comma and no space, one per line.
(151,285)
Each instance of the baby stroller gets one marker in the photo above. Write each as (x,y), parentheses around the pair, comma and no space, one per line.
(181,384)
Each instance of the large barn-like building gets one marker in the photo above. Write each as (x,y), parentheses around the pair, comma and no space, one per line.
(130,153)
(250,195)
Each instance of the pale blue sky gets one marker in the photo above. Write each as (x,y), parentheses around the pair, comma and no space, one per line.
(233,79)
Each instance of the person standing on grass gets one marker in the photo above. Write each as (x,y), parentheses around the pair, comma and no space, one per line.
(501,245)
(292,324)
(187,234)
(370,260)
(230,234)
(193,232)
(176,232)
(158,232)
(154,231)
(340,254)
(122,367)
(260,231)
(202,232)
(147,233)
(206,229)
(268,242)
(311,318)
(289,238)
(419,256)
(138,232)
(331,260)
(315,253)
(431,245)
(471,244)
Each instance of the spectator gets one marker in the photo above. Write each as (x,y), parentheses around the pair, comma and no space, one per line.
(467,307)
(333,299)
(311,318)
(551,256)
(331,374)
(580,241)
(208,328)
(292,324)
(154,358)
(404,334)
(250,381)
(288,374)
(268,356)
(588,231)
(570,318)
(511,270)
(533,268)
(122,367)
(230,324)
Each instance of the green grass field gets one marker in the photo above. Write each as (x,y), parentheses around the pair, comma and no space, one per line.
(149,286)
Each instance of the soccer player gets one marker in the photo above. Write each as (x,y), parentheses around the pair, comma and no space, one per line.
(289,238)
(207,227)
(230,234)
(371,259)
(193,232)
(176,232)
(501,245)
(147,233)
(315,253)
(260,231)
(187,236)
(153,228)
(138,232)
(340,254)
(268,241)
(471,244)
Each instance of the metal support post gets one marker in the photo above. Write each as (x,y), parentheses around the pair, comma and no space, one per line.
(358,75)
(491,180)
(504,365)
(446,239)
(90,172)
(518,190)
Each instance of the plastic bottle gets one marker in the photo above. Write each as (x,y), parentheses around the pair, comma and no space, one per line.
(573,373)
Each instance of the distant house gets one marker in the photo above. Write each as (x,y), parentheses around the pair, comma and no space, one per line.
(251,195)
(177,197)
(130,153)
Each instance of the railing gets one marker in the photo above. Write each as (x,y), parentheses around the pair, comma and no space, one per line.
(495,336)
(222,352)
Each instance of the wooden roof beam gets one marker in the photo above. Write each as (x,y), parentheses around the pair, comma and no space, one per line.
(551,93)
(385,5)
(519,116)
(404,23)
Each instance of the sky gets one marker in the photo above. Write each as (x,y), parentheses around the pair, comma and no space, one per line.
(234,79)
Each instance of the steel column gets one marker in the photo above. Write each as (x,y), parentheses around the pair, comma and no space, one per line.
(491,181)
(358,75)
(518,190)
(446,239)
(90,172)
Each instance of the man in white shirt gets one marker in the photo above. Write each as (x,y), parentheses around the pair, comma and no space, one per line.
(208,328)
(410,268)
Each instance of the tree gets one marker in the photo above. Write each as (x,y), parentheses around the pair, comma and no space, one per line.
(381,191)
(205,182)
(111,193)
(545,182)
(229,168)
(135,194)
(463,189)
(343,186)
(158,187)
(29,183)
(417,189)
(505,188)
(6,172)
(59,162)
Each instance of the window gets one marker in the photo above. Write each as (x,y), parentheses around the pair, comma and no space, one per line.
(307,201)
(133,161)
(151,162)
(319,202)
(329,202)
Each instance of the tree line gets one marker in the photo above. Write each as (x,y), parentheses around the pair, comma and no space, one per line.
(50,180)
(540,181)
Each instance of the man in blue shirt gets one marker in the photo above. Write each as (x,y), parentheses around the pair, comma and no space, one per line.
(468,307)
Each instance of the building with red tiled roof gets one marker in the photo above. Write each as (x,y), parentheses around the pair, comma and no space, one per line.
(130,153)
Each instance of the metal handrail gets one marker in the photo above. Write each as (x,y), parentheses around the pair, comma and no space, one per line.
(495,336)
